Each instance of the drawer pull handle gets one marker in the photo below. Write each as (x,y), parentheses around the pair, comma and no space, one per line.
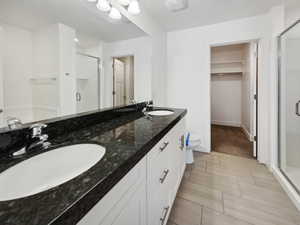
(163,218)
(165,145)
(165,174)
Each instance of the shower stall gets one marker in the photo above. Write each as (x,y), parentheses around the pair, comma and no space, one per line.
(289,104)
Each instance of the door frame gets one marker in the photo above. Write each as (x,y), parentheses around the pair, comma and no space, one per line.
(113,74)
(98,74)
(256,88)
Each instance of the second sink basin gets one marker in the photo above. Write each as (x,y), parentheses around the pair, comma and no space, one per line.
(48,170)
(160,113)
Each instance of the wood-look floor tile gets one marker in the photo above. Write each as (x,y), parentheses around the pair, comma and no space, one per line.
(211,217)
(265,195)
(259,212)
(201,195)
(225,184)
(186,212)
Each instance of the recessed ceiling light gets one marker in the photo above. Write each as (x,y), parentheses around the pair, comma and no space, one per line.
(76,40)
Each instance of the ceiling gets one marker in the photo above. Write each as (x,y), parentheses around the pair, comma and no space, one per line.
(79,14)
(205,12)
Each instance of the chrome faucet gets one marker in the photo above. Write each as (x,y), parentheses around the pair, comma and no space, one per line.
(14,123)
(36,133)
(37,130)
(149,104)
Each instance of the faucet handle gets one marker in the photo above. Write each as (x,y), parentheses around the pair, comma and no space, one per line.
(37,129)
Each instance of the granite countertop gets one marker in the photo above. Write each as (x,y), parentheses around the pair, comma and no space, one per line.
(127,140)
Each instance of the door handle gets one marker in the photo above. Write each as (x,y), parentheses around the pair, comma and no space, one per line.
(165,213)
(165,174)
(297,108)
(163,147)
(1,111)
(78,97)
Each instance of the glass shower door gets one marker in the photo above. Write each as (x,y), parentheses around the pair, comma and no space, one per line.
(289,104)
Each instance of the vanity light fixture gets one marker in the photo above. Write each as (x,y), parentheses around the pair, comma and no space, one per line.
(124,2)
(115,14)
(134,7)
(103,5)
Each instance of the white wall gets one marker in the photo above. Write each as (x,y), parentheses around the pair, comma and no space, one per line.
(188,75)
(226,93)
(17,70)
(141,49)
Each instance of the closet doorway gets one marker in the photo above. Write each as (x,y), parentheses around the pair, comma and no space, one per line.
(234,70)
(123,80)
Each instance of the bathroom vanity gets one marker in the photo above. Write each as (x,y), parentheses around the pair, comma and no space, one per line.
(134,183)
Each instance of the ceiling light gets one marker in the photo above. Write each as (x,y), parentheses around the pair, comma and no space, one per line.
(92,0)
(76,40)
(134,7)
(124,2)
(103,5)
(115,14)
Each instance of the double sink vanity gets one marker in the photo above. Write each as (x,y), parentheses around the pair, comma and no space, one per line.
(120,166)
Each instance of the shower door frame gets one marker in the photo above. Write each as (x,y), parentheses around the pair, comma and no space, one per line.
(279,61)
(98,74)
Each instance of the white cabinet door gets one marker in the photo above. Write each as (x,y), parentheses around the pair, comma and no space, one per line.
(131,210)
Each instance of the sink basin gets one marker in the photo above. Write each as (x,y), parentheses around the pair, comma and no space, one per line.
(48,170)
(160,113)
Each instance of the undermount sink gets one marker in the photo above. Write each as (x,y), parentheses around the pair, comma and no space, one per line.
(48,170)
(160,113)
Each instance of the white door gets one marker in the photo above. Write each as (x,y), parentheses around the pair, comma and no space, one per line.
(119,83)
(88,83)
(1,83)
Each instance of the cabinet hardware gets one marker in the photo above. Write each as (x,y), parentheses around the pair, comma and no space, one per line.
(297,108)
(165,174)
(182,142)
(165,145)
(165,213)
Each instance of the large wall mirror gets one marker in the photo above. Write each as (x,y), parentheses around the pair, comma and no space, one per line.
(63,57)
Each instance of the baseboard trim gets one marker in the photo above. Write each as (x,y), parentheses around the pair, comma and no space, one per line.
(247,133)
(289,189)
(226,123)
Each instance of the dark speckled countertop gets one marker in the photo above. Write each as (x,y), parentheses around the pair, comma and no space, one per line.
(127,140)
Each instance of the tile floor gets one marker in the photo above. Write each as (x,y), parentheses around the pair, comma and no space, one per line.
(222,189)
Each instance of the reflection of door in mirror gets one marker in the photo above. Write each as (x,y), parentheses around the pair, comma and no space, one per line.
(123,80)
(88,83)
(1,83)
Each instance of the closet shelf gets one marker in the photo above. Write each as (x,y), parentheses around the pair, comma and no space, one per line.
(228,62)
(226,73)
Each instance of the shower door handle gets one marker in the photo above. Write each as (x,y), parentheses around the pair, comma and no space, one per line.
(78,97)
(297,108)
